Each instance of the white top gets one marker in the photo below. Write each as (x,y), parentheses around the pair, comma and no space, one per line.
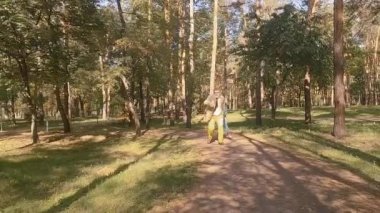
(218,110)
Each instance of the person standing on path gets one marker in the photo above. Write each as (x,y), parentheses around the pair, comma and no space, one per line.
(215,105)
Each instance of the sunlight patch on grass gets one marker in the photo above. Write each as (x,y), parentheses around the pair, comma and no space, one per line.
(48,174)
(309,145)
(144,184)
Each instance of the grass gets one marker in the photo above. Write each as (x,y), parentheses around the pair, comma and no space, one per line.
(92,167)
(359,152)
(100,167)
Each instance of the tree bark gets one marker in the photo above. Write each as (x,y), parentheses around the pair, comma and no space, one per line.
(13,114)
(81,107)
(67,99)
(375,66)
(189,101)
(168,40)
(141,100)
(307,91)
(273,102)
(307,80)
(339,129)
(259,74)
(104,90)
(129,106)
(181,57)
(61,109)
(214,47)
(24,72)
(121,15)
(108,100)
(250,101)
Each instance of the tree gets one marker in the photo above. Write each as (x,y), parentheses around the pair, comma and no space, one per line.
(190,83)
(214,47)
(339,129)
(17,41)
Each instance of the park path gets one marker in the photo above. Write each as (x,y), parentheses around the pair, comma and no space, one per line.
(248,175)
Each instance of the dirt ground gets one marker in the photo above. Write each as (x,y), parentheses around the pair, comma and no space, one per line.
(251,175)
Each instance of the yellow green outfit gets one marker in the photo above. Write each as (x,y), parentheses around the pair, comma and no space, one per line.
(218,119)
(214,110)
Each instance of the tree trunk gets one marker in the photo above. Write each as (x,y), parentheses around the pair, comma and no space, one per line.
(307,91)
(67,99)
(250,100)
(81,107)
(61,109)
(189,101)
(168,40)
(339,129)
(375,66)
(214,47)
(108,100)
(121,15)
(259,74)
(13,114)
(273,102)
(311,8)
(141,100)
(24,72)
(347,90)
(129,106)
(307,80)
(181,57)
(104,90)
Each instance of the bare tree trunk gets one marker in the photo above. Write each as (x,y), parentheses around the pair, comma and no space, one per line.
(66,99)
(129,105)
(61,109)
(214,47)
(81,107)
(273,102)
(141,100)
(24,72)
(104,90)
(311,7)
(347,90)
(189,102)
(121,15)
(250,100)
(108,100)
(13,114)
(259,74)
(332,96)
(181,57)
(375,66)
(168,40)
(307,80)
(339,129)
(307,90)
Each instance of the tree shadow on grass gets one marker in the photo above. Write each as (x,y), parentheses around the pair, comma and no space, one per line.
(374,191)
(291,124)
(66,202)
(163,184)
(36,174)
(331,144)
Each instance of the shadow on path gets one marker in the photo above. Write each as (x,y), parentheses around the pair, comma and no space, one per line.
(248,175)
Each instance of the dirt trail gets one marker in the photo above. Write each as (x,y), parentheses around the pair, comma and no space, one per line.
(247,175)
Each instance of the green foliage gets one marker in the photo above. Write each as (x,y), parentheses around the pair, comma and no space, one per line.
(287,42)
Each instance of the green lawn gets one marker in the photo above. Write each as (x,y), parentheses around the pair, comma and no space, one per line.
(91,169)
(101,167)
(359,151)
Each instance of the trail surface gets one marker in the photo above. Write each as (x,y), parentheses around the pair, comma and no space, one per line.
(249,175)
